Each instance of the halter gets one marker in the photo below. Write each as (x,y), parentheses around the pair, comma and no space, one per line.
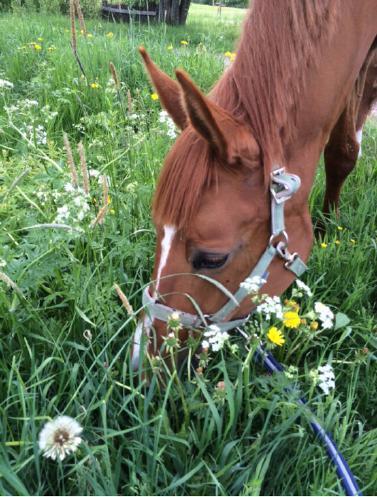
(282,186)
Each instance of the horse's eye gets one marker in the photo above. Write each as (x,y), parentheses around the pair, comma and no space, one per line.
(207,260)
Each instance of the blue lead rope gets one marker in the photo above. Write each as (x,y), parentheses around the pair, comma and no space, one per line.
(345,474)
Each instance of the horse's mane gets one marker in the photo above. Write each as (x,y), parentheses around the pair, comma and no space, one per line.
(281,39)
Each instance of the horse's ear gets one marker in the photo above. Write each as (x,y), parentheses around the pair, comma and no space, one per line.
(202,115)
(168,90)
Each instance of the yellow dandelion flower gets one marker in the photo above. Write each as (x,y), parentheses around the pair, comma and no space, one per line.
(37,47)
(109,34)
(154,96)
(170,47)
(314,325)
(232,57)
(340,228)
(323,245)
(109,200)
(337,242)
(291,319)
(95,86)
(275,336)
(228,54)
(184,42)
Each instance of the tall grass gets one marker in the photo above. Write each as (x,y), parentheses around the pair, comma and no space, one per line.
(145,437)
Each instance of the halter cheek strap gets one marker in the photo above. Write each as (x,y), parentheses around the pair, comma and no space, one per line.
(282,186)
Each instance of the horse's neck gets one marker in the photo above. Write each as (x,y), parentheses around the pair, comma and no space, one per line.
(327,85)
(330,83)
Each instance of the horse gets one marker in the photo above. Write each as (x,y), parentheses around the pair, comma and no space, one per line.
(344,145)
(233,192)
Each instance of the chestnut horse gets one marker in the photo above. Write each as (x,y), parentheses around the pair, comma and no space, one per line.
(264,124)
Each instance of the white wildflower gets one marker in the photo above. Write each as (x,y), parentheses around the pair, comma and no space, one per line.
(166,119)
(93,173)
(63,214)
(69,188)
(271,305)
(60,437)
(215,338)
(28,104)
(4,83)
(301,285)
(163,116)
(174,321)
(325,315)
(252,285)
(38,133)
(205,345)
(326,378)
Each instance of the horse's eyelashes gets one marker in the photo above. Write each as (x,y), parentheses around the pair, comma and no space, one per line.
(207,260)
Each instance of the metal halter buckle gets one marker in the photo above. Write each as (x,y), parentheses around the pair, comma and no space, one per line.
(282,193)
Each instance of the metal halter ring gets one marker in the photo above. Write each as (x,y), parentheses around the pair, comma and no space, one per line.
(284,234)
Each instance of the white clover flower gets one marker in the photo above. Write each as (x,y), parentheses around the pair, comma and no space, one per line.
(214,338)
(326,378)
(252,285)
(325,315)
(271,305)
(4,83)
(60,437)
(301,285)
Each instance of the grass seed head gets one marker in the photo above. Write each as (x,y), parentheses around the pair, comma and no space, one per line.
(114,74)
(70,160)
(84,167)
(73,25)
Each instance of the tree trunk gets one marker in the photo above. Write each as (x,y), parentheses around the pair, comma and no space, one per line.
(183,11)
(173,11)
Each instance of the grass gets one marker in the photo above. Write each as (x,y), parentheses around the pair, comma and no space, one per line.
(185,437)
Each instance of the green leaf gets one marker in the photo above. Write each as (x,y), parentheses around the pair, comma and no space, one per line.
(341,320)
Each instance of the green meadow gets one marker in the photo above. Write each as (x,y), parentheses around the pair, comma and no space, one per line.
(64,335)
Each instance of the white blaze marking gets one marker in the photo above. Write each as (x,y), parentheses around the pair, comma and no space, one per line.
(359,137)
(169,232)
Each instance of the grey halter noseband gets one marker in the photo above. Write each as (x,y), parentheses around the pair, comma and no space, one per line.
(282,186)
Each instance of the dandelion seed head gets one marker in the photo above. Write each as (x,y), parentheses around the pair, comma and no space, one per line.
(60,437)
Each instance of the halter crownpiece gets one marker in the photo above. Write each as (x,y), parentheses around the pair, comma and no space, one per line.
(283,186)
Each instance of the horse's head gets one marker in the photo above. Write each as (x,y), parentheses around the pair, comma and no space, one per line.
(211,208)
